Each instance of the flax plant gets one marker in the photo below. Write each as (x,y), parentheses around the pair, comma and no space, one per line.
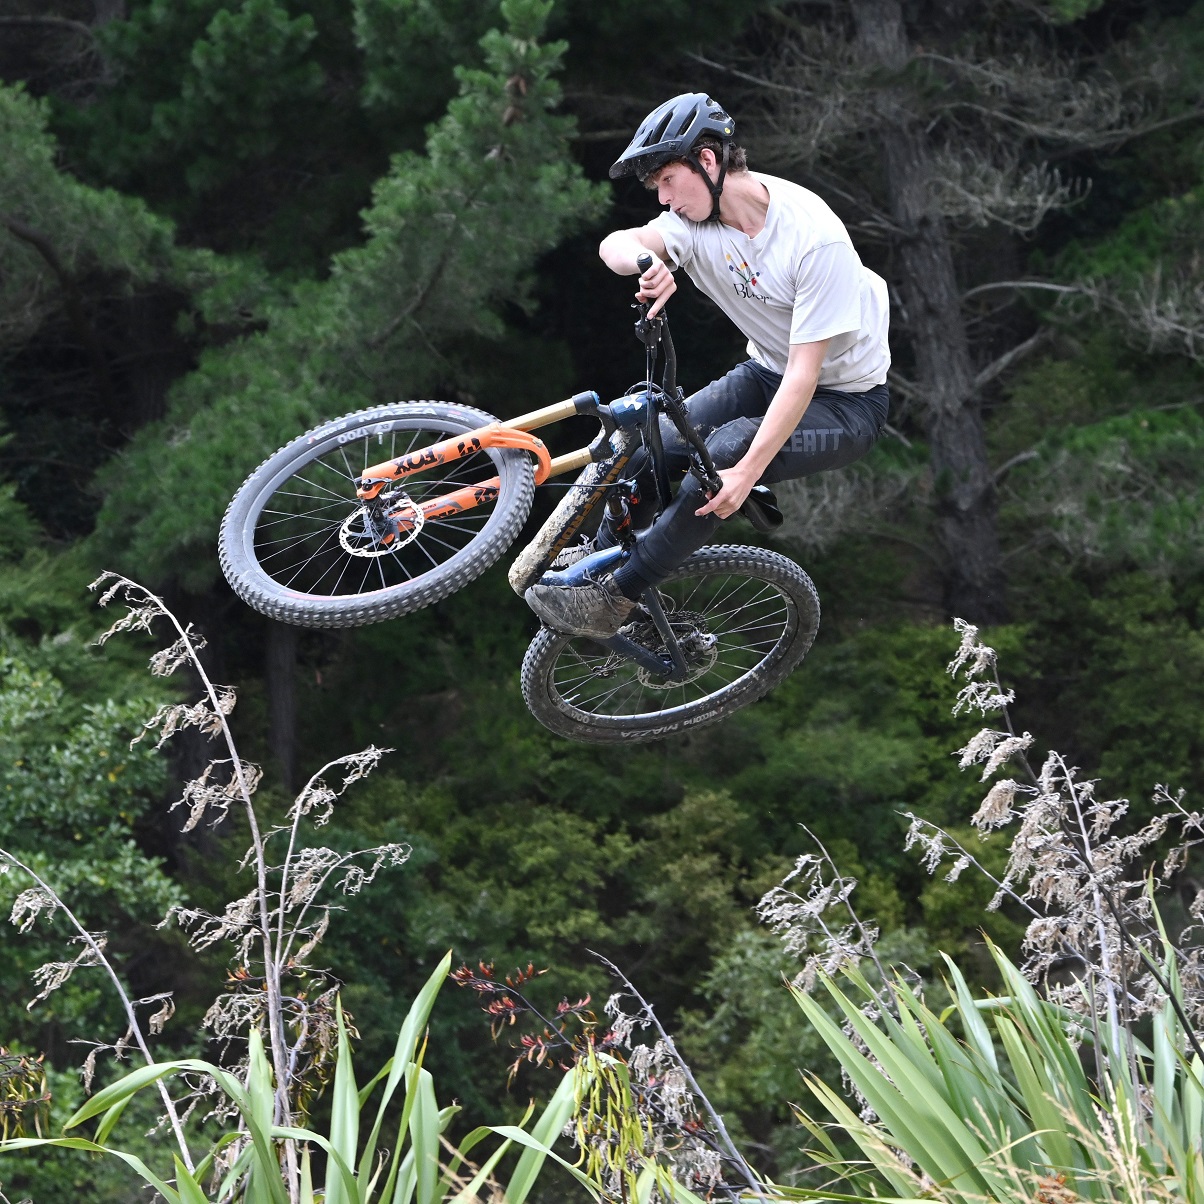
(279,1007)
(1005,1110)
(1047,1093)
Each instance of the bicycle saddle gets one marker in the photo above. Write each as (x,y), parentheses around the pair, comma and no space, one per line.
(761,510)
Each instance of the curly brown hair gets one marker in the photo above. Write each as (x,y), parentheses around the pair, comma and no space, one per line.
(737,158)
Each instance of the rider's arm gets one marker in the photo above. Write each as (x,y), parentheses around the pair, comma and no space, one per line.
(785,412)
(620,250)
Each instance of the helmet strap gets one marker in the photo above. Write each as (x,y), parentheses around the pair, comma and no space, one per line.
(715,186)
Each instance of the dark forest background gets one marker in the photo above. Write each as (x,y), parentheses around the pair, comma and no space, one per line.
(224,220)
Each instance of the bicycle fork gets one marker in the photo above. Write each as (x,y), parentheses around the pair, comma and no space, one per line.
(512,434)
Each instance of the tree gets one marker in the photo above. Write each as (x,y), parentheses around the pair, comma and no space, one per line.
(90,282)
(940,131)
(450,240)
(240,120)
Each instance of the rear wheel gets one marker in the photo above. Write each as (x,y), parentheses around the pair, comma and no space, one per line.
(298,545)
(744,618)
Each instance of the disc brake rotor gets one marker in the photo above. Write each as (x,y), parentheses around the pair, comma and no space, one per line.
(362,533)
(700,648)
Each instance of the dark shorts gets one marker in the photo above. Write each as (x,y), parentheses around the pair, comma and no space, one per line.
(837,428)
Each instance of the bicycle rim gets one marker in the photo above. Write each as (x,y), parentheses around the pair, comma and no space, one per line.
(745,616)
(302,529)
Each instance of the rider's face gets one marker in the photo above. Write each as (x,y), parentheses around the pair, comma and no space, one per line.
(681,188)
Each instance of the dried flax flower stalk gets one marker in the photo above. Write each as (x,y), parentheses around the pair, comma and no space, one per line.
(1085,883)
(272,929)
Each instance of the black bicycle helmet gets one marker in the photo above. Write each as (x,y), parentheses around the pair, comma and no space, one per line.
(669,133)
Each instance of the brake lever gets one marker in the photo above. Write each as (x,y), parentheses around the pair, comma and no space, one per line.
(647,330)
(702,466)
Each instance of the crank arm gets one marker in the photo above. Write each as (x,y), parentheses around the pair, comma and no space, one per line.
(675,669)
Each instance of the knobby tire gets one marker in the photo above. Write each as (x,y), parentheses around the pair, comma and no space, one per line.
(758,613)
(280,548)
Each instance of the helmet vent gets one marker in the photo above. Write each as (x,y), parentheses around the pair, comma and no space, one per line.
(670,131)
(686,123)
(659,133)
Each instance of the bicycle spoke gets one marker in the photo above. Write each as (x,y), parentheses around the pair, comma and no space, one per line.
(727,624)
(346,492)
(298,538)
(304,564)
(289,544)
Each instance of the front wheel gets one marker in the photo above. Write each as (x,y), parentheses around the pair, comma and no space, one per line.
(297,544)
(744,618)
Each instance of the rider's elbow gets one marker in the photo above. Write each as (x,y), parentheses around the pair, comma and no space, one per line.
(614,251)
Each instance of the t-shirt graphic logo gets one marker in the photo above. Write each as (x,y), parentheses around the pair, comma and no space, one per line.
(746,278)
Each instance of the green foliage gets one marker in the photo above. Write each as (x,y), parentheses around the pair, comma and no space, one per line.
(1063,12)
(406,43)
(18,532)
(1161,234)
(1118,678)
(1124,491)
(996,1116)
(450,241)
(244,74)
(202,91)
(74,796)
(412,1168)
(56,231)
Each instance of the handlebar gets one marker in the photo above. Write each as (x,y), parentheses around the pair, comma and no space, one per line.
(650,332)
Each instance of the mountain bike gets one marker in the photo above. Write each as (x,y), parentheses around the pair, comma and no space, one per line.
(389,509)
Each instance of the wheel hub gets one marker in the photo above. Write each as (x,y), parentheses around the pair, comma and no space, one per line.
(371,532)
(698,646)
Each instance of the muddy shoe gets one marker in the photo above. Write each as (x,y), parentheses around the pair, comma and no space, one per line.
(596,608)
(570,555)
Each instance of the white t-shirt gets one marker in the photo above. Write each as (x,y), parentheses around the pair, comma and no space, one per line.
(798,281)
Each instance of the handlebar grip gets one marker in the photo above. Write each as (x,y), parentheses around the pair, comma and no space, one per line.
(643,262)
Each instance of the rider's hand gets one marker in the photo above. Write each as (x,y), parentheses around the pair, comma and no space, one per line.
(737,485)
(657,285)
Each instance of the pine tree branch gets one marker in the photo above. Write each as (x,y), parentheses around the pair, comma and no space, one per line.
(64,23)
(1008,358)
(759,81)
(1013,462)
(906,387)
(1037,284)
(72,298)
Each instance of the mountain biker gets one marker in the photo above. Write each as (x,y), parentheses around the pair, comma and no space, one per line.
(780,264)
